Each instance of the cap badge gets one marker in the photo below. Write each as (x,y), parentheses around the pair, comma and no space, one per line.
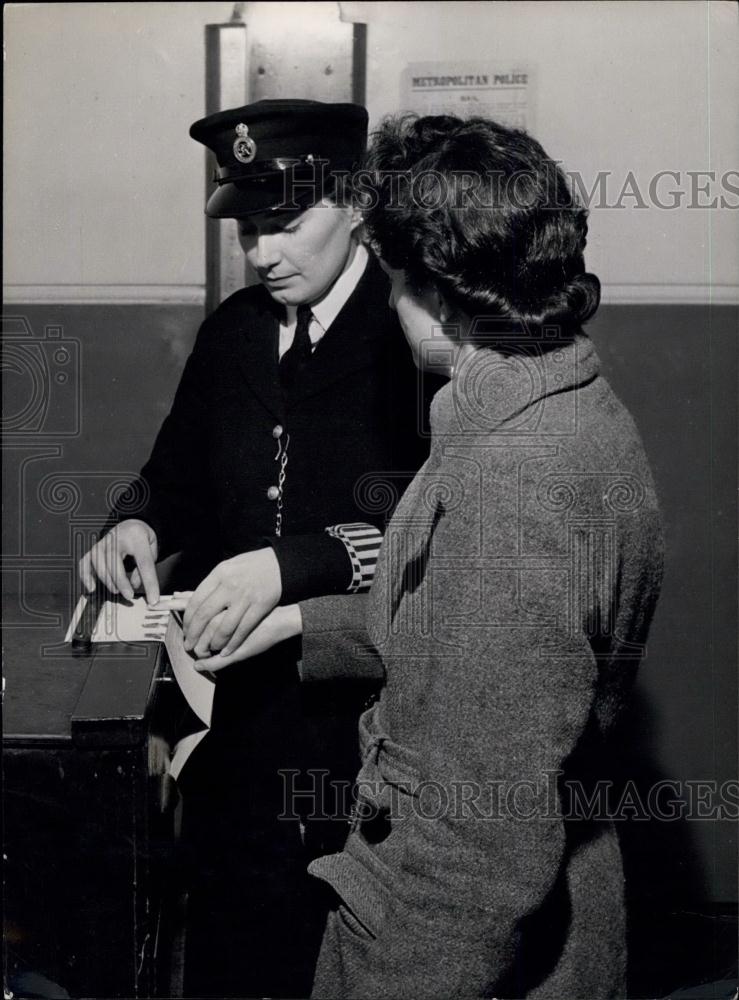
(245,149)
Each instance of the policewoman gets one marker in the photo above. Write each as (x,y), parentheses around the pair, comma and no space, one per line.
(295,428)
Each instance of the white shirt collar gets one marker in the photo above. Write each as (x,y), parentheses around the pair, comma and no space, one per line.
(327,308)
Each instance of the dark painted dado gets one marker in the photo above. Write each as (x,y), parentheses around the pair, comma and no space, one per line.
(108,374)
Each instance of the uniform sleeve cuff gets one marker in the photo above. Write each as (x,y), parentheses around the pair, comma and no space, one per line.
(311,566)
(362,543)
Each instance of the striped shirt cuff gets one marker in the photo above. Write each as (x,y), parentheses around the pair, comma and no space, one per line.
(362,543)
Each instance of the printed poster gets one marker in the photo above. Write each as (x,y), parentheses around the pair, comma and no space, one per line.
(498,91)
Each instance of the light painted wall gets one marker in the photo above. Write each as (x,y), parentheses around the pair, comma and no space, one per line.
(104,189)
(103,185)
(645,86)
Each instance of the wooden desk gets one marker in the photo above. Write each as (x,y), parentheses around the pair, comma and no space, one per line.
(88,837)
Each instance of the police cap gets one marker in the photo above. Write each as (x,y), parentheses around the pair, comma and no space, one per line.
(279,154)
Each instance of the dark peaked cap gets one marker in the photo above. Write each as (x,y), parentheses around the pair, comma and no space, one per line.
(262,148)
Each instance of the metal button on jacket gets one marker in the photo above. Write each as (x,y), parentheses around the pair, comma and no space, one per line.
(273,492)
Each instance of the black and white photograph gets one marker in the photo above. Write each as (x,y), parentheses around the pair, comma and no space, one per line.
(369,550)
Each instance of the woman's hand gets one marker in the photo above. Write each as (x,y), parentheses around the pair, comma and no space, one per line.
(231,601)
(280,624)
(104,561)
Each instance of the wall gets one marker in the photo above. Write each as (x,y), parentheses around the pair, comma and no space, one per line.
(103,185)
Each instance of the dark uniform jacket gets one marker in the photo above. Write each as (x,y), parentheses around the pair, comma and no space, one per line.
(215,467)
(508,614)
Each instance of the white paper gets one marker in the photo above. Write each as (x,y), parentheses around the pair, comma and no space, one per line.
(183,750)
(198,689)
(123,622)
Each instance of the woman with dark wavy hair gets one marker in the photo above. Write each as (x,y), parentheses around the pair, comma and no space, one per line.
(479,212)
(511,603)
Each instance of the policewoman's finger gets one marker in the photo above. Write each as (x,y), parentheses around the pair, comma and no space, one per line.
(203,648)
(214,604)
(201,592)
(87,577)
(120,577)
(100,563)
(229,623)
(249,621)
(142,554)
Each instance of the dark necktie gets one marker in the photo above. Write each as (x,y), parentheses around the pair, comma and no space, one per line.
(295,358)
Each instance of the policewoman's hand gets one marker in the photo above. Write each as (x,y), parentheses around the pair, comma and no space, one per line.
(280,624)
(104,561)
(246,588)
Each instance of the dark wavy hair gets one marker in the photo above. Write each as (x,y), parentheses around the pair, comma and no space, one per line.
(479,211)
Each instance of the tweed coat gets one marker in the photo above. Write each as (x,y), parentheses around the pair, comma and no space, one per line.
(509,611)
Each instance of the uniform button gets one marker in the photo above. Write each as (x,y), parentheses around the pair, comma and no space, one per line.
(273,492)
(277,431)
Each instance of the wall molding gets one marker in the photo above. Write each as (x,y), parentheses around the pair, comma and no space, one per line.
(638,294)
(628,294)
(104,294)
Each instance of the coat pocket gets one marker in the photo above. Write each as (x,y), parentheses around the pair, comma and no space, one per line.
(351,922)
(361,896)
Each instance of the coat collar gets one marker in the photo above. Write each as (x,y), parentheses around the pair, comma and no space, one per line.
(492,388)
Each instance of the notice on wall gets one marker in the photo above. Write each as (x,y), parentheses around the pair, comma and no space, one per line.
(501,92)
